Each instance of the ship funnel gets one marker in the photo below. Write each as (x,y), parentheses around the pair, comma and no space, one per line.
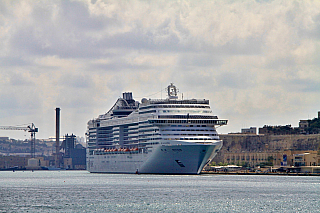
(127,96)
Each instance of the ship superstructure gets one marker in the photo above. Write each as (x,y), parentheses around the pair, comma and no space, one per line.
(161,136)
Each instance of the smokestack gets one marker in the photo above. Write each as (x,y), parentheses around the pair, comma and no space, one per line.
(57,159)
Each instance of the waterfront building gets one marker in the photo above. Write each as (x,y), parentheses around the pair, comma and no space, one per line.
(291,158)
(13,161)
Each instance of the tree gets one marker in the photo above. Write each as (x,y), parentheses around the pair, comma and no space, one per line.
(270,161)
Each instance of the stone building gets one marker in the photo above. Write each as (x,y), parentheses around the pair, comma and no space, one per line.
(13,161)
(293,158)
(263,149)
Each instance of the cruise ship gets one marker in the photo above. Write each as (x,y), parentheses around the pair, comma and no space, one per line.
(156,136)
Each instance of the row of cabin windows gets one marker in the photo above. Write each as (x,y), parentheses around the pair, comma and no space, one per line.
(191,134)
(215,122)
(192,130)
(127,135)
(192,139)
(140,140)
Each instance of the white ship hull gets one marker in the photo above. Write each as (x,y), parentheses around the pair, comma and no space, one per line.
(187,158)
(156,136)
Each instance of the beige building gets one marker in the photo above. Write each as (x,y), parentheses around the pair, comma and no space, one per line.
(67,162)
(293,158)
(305,158)
(13,161)
(252,159)
(21,162)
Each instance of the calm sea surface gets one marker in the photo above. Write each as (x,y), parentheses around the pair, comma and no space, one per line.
(80,191)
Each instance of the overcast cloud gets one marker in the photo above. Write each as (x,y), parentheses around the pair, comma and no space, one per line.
(258,62)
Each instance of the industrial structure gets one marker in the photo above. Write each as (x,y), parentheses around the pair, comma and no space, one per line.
(57,156)
(30,128)
(68,144)
(67,153)
(74,155)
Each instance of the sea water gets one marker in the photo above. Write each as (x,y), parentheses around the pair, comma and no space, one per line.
(80,191)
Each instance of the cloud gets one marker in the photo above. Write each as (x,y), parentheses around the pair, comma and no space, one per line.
(257,61)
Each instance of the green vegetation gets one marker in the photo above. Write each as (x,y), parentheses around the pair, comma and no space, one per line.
(282,130)
(244,164)
(222,164)
(314,126)
(270,161)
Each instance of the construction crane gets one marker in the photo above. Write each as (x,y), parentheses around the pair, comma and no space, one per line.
(30,128)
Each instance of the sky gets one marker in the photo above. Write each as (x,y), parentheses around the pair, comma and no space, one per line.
(258,62)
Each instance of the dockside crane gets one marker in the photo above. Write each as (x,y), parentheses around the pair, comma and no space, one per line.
(30,128)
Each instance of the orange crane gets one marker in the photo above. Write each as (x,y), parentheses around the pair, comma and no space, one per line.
(30,128)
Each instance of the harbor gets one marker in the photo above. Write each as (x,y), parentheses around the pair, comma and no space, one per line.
(283,153)
(159,106)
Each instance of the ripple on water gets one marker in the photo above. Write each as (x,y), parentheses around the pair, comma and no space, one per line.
(80,191)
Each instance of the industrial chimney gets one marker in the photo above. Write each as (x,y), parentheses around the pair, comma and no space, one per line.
(57,157)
